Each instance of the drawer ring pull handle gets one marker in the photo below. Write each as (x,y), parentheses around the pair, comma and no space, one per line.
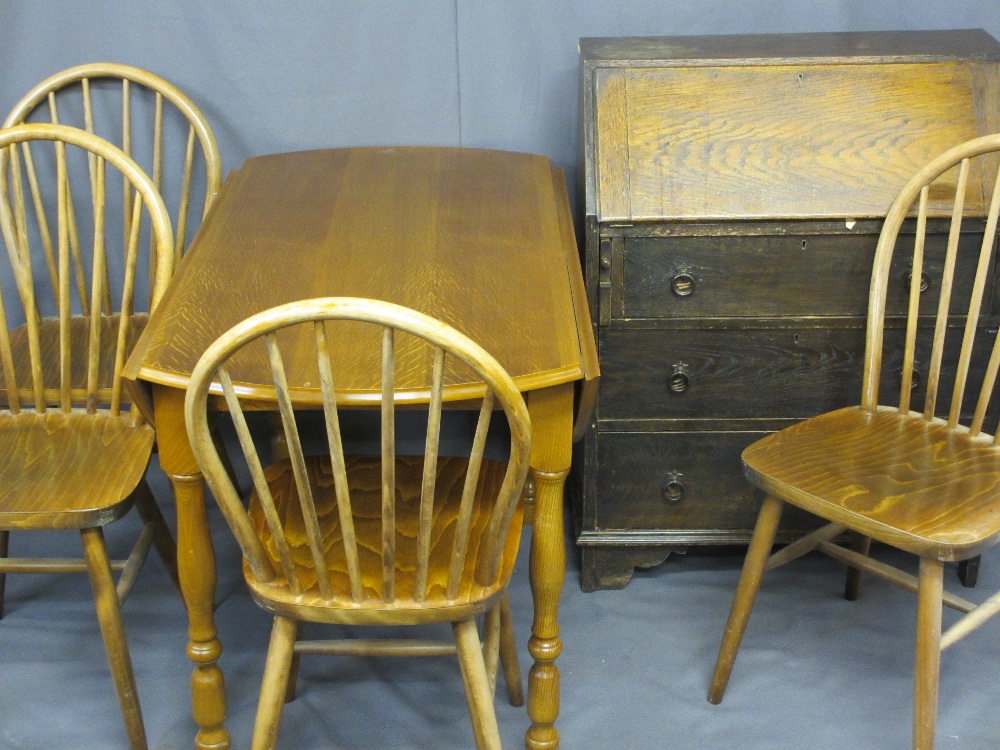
(925,280)
(679,380)
(673,490)
(682,284)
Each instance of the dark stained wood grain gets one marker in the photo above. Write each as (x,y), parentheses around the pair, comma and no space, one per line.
(734,188)
(775,276)
(765,373)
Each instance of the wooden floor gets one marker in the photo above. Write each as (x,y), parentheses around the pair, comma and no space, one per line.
(814,671)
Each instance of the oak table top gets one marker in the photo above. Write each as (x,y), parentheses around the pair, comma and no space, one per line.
(480,239)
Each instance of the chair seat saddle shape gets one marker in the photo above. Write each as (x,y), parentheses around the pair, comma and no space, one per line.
(887,472)
(73,452)
(370,540)
(364,479)
(919,469)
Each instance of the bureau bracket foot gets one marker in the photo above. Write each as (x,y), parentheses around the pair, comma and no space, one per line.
(613,567)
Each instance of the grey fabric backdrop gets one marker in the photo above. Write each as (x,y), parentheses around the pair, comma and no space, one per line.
(815,671)
(280,76)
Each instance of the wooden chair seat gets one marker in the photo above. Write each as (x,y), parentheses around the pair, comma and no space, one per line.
(364,478)
(69,471)
(886,474)
(79,341)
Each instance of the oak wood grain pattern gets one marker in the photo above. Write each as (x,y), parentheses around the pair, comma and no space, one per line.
(789,141)
(66,97)
(550,462)
(15,222)
(808,370)
(364,476)
(590,362)
(639,465)
(426,212)
(80,342)
(71,470)
(765,276)
(485,546)
(910,46)
(900,479)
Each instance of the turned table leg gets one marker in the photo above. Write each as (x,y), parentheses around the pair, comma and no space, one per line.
(551,413)
(196,566)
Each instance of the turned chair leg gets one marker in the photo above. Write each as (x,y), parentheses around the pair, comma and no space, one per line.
(275,683)
(110,618)
(852,588)
(928,653)
(4,547)
(746,592)
(477,685)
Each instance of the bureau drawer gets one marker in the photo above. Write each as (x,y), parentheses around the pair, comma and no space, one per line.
(679,480)
(771,275)
(780,373)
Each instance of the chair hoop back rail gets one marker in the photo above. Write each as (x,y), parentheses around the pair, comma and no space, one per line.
(923,474)
(339,549)
(69,97)
(75,452)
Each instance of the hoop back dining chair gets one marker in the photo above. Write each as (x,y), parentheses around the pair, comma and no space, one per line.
(150,119)
(73,453)
(376,540)
(914,468)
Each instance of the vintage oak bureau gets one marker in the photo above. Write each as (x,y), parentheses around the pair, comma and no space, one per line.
(732,188)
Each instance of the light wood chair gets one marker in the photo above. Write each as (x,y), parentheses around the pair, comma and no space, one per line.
(149,119)
(73,454)
(901,474)
(382,540)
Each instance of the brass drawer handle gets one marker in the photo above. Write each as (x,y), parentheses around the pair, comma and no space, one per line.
(679,381)
(673,490)
(682,284)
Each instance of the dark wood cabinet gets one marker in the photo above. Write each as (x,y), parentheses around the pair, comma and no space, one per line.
(733,188)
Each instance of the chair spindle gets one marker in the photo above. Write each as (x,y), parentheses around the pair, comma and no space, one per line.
(429,479)
(262,489)
(461,543)
(299,470)
(337,462)
(388,464)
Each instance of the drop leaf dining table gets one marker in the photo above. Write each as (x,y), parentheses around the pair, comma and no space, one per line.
(480,239)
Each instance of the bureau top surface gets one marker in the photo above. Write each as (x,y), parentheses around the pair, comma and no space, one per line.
(806,126)
(857,46)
